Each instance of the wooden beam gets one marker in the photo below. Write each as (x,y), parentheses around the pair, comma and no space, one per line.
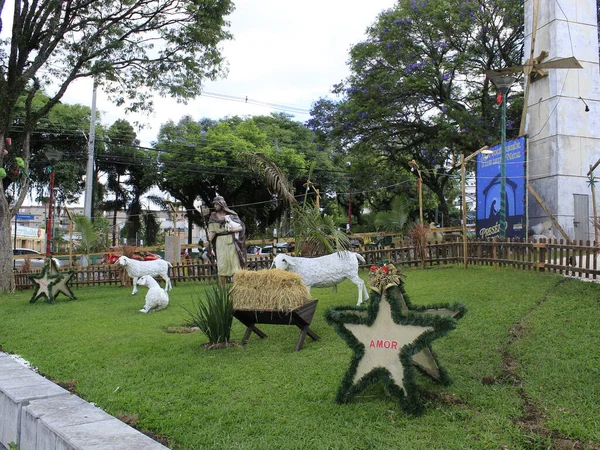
(545,208)
(471,156)
(593,167)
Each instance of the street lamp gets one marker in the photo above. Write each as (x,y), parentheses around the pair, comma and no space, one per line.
(414,166)
(503,84)
(53,156)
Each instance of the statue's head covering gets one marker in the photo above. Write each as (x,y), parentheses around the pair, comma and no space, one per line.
(218,200)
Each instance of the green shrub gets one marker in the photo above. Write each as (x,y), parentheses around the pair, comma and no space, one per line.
(213,315)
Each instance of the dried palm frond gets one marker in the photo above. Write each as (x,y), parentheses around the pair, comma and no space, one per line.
(276,181)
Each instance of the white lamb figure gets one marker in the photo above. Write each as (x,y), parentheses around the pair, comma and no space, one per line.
(543,231)
(156,297)
(325,271)
(136,269)
(232,226)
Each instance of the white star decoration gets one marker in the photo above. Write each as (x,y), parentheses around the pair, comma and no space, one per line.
(390,338)
(383,342)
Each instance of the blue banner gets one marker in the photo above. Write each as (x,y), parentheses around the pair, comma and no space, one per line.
(488,190)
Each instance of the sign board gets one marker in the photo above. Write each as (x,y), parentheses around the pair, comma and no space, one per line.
(488,190)
(29,232)
(24,217)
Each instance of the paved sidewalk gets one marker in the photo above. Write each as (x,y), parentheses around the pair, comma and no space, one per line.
(37,414)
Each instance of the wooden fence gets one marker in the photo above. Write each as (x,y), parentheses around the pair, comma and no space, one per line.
(573,259)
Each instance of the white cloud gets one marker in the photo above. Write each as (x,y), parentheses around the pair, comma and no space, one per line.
(288,53)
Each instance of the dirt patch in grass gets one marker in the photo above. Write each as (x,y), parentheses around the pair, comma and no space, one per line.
(181,329)
(444,398)
(158,438)
(219,345)
(532,418)
(70,385)
(130,419)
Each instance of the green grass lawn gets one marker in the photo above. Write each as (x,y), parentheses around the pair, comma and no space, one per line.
(524,360)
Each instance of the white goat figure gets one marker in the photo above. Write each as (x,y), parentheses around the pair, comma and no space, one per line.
(156,297)
(325,271)
(136,269)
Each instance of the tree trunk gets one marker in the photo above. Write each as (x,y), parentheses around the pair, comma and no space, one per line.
(7,281)
(6,265)
(190,229)
(114,228)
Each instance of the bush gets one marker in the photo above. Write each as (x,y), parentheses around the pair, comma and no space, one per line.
(213,315)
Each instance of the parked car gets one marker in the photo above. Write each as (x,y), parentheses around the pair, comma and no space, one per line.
(111,258)
(268,249)
(356,242)
(253,250)
(36,263)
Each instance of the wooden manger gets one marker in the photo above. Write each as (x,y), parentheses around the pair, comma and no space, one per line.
(272,297)
(301,317)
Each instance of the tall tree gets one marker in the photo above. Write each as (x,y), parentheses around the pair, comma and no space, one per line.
(132,48)
(115,162)
(142,168)
(417,89)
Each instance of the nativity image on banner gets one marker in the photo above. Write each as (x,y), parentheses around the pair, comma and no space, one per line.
(489,190)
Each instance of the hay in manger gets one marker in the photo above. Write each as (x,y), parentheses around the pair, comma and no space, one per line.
(271,289)
(273,297)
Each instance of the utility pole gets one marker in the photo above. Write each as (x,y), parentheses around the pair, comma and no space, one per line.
(89,173)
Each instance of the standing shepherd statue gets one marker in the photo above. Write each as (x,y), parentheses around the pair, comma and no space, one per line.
(226,233)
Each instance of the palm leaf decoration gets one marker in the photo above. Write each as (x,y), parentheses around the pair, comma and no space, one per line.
(394,220)
(315,234)
(89,235)
(276,181)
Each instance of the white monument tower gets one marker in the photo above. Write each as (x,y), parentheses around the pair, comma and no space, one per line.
(563,114)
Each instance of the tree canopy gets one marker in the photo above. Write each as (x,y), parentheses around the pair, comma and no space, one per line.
(132,49)
(200,159)
(417,91)
(62,129)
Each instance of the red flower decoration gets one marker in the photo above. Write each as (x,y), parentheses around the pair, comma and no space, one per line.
(373,269)
(385,269)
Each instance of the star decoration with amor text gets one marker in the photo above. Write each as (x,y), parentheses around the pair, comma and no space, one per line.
(391,338)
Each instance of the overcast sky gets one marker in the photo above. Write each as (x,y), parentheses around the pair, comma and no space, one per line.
(283,52)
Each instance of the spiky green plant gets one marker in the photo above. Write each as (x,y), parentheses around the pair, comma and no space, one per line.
(89,235)
(394,220)
(316,234)
(213,315)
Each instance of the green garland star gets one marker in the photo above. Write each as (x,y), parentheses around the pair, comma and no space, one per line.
(389,339)
(591,181)
(50,282)
(43,283)
(62,286)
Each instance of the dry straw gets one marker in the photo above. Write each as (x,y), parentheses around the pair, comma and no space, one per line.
(272,289)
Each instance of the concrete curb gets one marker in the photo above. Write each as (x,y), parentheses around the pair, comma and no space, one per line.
(37,414)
